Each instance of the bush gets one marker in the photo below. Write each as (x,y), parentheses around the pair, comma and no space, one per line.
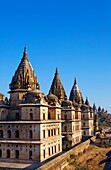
(84,150)
(72,156)
(82,168)
(80,154)
(72,159)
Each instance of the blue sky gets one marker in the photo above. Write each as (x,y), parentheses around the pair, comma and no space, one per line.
(72,35)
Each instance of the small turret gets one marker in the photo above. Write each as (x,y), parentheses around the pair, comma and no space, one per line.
(94,108)
(87,102)
(25,53)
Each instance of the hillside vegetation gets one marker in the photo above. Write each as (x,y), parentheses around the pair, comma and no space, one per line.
(89,160)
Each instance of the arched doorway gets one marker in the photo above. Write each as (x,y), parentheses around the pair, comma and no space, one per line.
(17,154)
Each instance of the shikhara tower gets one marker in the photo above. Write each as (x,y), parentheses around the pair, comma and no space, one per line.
(34,127)
(23,80)
(30,128)
(57,88)
(75,94)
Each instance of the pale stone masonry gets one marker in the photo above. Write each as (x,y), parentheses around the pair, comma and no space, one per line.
(71,126)
(71,114)
(30,128)
(87,120)
(87,116)
(34,127)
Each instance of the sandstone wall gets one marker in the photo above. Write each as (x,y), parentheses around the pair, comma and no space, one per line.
(61,161)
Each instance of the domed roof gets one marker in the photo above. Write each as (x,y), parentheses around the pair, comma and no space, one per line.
(33,96)
(75,104)
(66,103)
(84,107)
(24,77)
(35,91)
(52,97)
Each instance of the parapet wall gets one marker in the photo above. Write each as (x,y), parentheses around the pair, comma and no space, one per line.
(61,161)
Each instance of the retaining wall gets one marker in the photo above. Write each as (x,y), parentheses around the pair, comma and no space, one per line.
(61,161)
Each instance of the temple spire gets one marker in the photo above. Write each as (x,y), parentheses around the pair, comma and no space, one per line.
(87,102)
(94,107)
(75,94)
(56,71)
(25,53)
(24,77)
(25,49)
(75,81)
(57,88)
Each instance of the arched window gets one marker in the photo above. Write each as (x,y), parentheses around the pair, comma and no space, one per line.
(76,115)
(84,124)
(17,154)
(0,153)
(16,134)
(30,134)
(49,151)
(8,134)
(52,150)
(49,116)
(30,154)
(17,116)
(65,128)
(65,117)
(8,153)
(1,133)
(2,115)
(31,116)
(91,115)
(44,153)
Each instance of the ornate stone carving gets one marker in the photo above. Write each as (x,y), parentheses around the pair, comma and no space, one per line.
(75,94)
(34,96)
(24,77)
(51,99)
(66,103)
(57,88)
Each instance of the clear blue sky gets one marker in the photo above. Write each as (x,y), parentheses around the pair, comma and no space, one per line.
(73,35)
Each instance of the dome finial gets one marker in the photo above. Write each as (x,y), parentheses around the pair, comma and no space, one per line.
(56,70)
(25,48)
(75,82)
(25,52)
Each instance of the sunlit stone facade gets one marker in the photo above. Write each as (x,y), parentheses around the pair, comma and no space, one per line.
(87,120)
(87,116)
(34,127)
(30,128)
(71,126)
